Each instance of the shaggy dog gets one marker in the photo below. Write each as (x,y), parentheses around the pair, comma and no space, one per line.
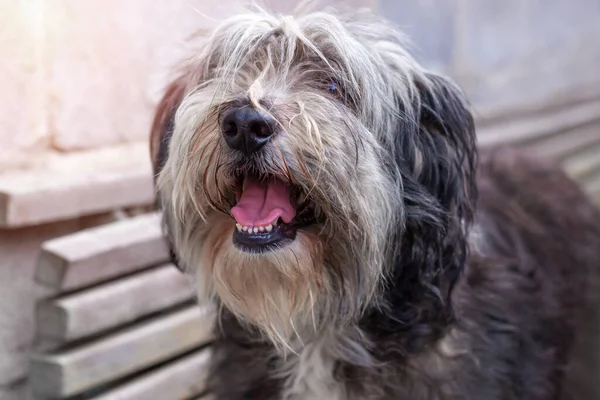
(327,193)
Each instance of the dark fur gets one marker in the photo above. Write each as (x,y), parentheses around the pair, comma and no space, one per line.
(518,306)
(521,305)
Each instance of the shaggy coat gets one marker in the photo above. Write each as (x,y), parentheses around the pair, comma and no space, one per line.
(428,271)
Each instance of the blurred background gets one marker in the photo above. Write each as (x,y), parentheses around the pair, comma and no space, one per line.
(89,307)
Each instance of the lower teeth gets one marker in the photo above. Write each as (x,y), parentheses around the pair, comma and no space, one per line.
(256,229)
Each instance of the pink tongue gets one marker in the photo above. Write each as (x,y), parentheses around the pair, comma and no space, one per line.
(261,203)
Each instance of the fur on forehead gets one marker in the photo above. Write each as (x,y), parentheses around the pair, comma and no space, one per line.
(295,51)
(360,50)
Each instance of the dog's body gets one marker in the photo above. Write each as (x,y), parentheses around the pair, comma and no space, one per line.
(322,187)
(530,283)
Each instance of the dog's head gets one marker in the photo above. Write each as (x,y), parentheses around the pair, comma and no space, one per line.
(303,161)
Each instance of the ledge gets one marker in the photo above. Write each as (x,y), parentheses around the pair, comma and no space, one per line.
(65,186)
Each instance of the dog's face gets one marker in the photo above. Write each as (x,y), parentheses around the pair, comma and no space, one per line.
(299,159)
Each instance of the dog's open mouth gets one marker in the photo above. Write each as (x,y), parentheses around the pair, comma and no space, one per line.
(269,213)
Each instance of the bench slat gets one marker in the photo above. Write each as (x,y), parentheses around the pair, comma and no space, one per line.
(591,185)
(40,199)
(534,127)
(120,354)
(61,186)
(583,163)
(109,305)
(99,254)
(566,143)
(179,380)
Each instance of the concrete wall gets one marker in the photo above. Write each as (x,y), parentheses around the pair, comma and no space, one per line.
(21,101)
(85,74)
(509,54)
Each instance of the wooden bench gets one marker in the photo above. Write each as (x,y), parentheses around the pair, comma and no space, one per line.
(569,134)
(122,323)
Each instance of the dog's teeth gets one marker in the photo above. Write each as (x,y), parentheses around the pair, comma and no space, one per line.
(245,228)
(239,227)
(261,228)
(255,230)
(269,227)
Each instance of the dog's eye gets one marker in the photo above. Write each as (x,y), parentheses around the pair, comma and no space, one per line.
(334,88)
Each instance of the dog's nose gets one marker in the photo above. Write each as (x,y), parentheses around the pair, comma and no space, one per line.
(247,129)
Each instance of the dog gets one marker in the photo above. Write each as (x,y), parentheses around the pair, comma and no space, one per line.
(326,193)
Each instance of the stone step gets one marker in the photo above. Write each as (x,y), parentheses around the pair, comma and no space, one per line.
(110,305)
(134,349)
(99,254)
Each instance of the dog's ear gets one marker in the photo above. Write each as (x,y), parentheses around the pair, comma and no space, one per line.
(447,142)
(440,148)
(160,138)
(437,157)
(163,123)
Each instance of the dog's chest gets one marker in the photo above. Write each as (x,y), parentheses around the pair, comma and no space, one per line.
(310,374)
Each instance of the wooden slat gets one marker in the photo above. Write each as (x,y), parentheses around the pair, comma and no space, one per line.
(592,183)
(491,114)
(534,127)
(109,305)
(105,360)
(58,199)
(179,380)
(99,254)
(584,162)
(71,185)
(566,143)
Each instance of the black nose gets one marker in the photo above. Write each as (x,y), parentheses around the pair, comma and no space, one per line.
(247,129)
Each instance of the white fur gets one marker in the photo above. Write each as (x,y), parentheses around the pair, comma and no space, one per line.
(310,373)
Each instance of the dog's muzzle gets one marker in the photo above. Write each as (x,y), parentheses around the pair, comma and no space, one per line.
(268,210)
